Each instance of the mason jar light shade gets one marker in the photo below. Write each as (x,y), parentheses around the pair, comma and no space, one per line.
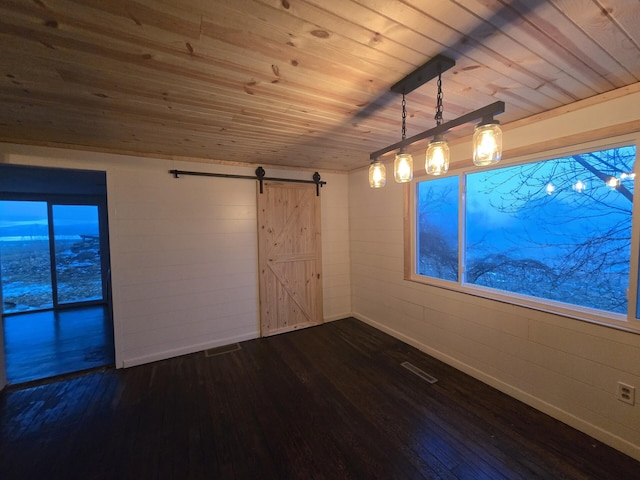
(437,158)
(487,144)
(403,167)
(377,175)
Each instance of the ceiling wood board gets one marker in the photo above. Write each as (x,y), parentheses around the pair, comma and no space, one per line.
(293,83)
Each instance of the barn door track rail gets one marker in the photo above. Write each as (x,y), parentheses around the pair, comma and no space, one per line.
(260,176)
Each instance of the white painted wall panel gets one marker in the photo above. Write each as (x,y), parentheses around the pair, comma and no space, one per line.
(169,279)
(184,251)
(564,367)
(336,269)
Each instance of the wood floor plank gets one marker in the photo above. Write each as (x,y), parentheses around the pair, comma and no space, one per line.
(44,344)
(327,402)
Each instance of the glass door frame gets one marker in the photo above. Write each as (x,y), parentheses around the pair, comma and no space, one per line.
(103,230)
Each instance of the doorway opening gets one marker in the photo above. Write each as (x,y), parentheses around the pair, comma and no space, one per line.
(54,260)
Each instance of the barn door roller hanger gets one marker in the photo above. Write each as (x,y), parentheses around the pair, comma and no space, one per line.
(260,176)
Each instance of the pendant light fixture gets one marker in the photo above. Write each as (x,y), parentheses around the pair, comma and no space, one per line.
(437,157)
(403,164)
(487,142)
(377,174)
(487,137)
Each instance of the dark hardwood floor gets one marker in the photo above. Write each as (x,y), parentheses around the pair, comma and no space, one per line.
(328,402)
(48,343)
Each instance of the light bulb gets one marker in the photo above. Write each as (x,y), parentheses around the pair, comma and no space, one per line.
(487,144)
(377,175)
(437,157)
(403,167)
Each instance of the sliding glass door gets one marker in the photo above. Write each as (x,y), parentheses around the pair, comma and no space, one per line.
(25,256)
(78,267)
(51,253)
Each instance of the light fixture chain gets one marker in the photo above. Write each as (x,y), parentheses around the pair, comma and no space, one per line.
(404,117)
(438,116)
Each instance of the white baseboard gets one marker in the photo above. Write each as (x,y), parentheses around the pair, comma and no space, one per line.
(333,318)
(163,355)
(559,414)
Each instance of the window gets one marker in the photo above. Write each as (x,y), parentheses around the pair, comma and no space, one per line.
(50,255)
(437,240)
(26,271)
(552,233)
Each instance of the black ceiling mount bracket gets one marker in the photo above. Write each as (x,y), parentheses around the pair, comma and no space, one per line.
(430,70)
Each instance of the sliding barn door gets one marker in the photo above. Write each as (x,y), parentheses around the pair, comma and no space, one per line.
(289,255)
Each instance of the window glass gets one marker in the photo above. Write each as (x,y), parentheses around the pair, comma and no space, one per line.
(437,228)
(24,256)
(77,253)
(558,229)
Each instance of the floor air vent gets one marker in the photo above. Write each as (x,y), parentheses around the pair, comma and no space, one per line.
(212,352)
(423,375)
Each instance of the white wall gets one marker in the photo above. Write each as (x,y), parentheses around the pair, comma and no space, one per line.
(564,367)
(184,251)
(335,247)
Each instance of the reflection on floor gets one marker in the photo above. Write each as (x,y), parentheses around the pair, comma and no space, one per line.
(45,344)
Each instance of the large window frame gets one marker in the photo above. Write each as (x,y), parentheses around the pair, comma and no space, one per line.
(629,322)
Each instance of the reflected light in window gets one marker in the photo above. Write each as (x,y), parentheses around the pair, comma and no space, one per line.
(579,186)
(613,182)
(550,188)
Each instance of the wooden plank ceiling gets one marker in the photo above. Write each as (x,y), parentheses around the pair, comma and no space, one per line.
(301,83)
